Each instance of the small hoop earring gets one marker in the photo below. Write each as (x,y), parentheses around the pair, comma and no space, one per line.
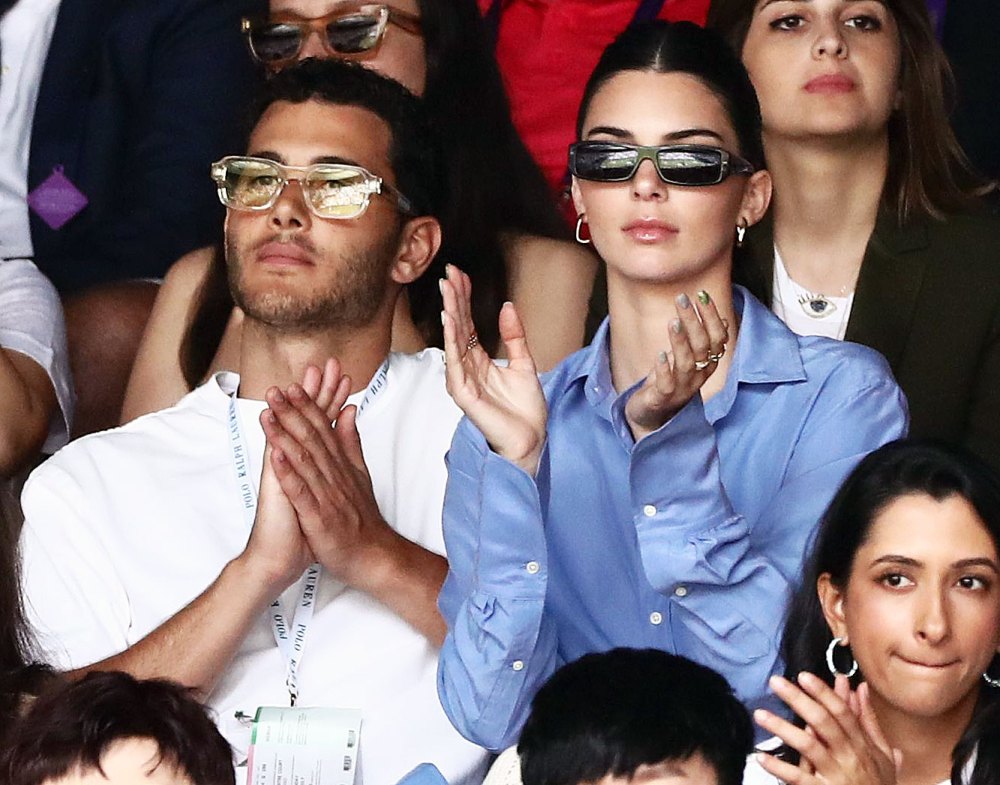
(580,223)
(990,680)
(741,232)
(832,665)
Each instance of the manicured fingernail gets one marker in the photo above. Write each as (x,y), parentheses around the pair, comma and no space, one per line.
(703,297)
(683,301)
(442,317)
(269,416)
(662,357)
(776,682)
(441,285)
(278,397)
(676,326)
(807,679)
(279,456)
(447,269)
(760,715)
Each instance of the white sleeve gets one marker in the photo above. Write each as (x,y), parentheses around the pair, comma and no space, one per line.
(31,323)
(74,600)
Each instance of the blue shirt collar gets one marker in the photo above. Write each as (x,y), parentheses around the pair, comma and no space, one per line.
(767,352)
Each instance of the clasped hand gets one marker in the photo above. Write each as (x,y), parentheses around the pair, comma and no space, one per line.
(316,496)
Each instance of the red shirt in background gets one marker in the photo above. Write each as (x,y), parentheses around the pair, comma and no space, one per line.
(547,49)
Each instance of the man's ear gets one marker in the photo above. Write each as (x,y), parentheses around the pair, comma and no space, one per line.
(418,243)
(831,598)
(756,197)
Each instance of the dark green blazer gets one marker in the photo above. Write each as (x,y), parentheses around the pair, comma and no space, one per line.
(928,298)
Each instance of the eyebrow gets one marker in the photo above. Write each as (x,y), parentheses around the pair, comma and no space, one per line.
(762,5)
(271,155)
(906,561)
(673,136)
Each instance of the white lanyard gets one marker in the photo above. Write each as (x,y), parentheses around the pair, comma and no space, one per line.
(291,642)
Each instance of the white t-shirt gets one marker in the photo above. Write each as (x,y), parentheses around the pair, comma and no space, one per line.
(25,35)
(126,527)
(805,312)
(31,323)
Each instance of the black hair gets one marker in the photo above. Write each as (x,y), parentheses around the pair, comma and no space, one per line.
(496,189)
(18,677)
(71,728)
(612,712)
(684,47)
(413,153)
(900,468)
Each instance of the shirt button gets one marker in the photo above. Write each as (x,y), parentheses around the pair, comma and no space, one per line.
(649,510)
(655,617)
(681,591)
(517,665)
(532,567)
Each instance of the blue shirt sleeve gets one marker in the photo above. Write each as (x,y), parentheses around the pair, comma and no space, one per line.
(500,646)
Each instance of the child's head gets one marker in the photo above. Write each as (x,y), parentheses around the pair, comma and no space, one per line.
(109,728)
(639,716)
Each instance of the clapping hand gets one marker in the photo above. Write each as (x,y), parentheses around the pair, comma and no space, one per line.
(842,743)
(505,402)
(696,346)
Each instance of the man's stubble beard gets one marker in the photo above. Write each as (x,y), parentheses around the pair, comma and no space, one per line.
(351,298)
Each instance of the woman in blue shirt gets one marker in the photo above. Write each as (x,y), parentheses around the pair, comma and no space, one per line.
(657,488)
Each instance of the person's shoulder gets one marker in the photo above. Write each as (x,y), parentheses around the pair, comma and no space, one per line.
(851,364)
(151,438)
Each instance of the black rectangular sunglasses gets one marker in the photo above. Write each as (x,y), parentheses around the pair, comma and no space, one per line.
(677,164)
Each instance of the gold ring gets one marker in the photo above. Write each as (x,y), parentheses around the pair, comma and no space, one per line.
(701,365)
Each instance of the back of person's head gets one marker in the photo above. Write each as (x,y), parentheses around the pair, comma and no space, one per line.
(413,153)
(611,713)
(71,731)
(902,468)
(684,47)
(929,173)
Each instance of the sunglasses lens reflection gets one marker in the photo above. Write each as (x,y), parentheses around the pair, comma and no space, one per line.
(354,34)
(702,167)
(276,42)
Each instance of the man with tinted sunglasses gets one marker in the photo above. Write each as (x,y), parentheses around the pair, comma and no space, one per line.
(314,586)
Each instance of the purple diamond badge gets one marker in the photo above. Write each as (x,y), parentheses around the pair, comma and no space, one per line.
(56,200)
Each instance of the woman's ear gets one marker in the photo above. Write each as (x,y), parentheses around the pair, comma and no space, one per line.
(831,598)
(419,242)
(756,197)
(577,198)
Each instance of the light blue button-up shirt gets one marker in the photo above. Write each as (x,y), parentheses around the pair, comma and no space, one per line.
(687,541)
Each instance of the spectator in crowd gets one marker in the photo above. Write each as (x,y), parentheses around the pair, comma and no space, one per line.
(35,384)
(632,715)
(111,728)
(876,234)
(891,641)
(659,488)
(498,219)
(109,113)
(145,549)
